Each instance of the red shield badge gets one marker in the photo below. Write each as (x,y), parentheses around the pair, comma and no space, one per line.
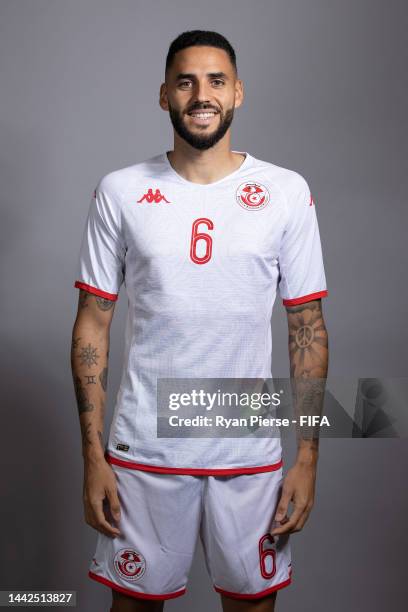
(129,564)
(252,196)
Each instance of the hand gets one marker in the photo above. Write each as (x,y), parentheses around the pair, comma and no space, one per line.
(100,481)
(299,488)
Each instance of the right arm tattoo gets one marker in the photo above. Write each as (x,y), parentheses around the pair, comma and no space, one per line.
(89,364)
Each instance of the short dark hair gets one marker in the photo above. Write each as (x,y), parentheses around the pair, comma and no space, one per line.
(203,38)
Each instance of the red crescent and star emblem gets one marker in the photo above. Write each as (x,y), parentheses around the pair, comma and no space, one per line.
(252,196)
(129,564)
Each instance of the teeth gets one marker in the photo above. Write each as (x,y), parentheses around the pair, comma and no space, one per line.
(202,115)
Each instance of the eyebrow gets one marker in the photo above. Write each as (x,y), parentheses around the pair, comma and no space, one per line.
(212,75)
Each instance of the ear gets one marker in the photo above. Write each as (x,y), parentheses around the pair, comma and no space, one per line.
(163,97)
(239,92)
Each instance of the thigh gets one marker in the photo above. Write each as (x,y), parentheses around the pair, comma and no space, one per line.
(243,559)
(264,604)
(124,603)
(160,518)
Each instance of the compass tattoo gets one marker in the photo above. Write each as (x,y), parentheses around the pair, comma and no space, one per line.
(89,355)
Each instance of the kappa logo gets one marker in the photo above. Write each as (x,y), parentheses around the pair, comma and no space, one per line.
(252,196)
(151,197)
(129,564)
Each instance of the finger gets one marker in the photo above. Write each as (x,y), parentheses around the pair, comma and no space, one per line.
(301,522)
(290,524)
(286,528)
(100,522)
(106,528)
(91,520)
(102,529)
(282,509)
(277,524)
(113,503)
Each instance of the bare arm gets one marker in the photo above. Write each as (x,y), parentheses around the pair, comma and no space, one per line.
(89,364)
(308,355)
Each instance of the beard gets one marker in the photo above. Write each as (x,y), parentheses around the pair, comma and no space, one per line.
(203,141)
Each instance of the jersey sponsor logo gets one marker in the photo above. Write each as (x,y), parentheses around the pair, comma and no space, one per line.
(267,556)
(252,196)
(152,198)
(129,564)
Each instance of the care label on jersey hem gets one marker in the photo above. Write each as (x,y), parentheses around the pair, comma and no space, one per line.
(122,447)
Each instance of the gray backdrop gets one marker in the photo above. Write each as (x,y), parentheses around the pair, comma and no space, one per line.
(326,95)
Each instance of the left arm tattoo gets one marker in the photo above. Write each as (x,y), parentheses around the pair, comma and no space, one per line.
(308,355)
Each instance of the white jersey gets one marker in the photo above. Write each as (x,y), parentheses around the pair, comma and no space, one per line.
(201,265)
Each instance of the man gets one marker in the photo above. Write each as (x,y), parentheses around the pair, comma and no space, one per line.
(202,236)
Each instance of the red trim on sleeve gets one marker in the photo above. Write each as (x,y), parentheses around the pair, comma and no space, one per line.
(96,291)
(193,471)
(305,298)
(135,594)
(258,595)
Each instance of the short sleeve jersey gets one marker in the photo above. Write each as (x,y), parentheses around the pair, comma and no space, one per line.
(201,264)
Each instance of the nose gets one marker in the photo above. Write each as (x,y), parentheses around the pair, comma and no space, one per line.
(201,92)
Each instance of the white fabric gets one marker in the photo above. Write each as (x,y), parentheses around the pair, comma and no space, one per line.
(162,516)
(188,318)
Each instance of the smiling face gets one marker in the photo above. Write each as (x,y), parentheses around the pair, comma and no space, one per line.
(201,92)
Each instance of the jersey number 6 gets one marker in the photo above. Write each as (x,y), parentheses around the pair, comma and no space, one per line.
(267,549)
(196,236)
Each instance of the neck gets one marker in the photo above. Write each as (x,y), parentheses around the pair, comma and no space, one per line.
(204,166)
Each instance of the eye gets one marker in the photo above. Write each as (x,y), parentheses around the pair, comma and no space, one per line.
(218,82)
(184,83)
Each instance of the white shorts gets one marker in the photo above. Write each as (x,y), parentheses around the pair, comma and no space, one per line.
(162,516)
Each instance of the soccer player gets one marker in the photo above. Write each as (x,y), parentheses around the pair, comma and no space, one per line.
(202,237)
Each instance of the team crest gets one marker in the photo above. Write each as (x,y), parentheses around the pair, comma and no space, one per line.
(129,564)
(252,196)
